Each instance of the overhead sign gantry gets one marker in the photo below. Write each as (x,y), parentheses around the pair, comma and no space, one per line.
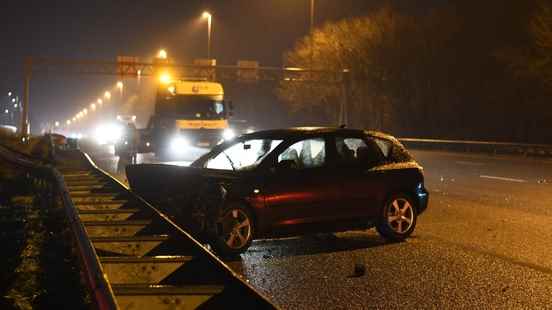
(129,66)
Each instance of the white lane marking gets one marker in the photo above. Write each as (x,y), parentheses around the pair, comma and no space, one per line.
(469,163)
(503,179)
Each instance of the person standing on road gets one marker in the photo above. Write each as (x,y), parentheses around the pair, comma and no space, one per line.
(132,140)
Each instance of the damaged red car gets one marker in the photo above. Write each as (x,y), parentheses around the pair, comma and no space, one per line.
(290,182)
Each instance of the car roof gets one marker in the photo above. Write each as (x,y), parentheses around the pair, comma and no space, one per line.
(306,131)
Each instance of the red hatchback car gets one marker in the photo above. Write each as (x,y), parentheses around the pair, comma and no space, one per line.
(290,182)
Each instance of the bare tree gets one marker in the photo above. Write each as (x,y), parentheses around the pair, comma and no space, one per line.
(541,31)
(395,63)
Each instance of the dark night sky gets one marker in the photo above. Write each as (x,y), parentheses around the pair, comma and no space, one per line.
(243,29)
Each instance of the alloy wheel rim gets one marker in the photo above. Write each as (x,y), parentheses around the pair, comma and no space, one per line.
(400,215)
(238,230)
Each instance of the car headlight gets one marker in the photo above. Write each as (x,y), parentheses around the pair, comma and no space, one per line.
(178,144)
(228,134)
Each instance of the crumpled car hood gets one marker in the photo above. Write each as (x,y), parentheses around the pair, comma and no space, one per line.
(158,179)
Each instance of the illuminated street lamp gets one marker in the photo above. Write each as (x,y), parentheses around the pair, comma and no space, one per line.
(85,111)
(6,111)
(93,106)
(209,18)
(56,124)
(165,78)
(162,54)
(74,119)
(9,94)
(99,101)
(68,122)
(107,95)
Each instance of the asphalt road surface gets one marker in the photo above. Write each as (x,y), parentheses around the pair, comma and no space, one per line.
(484,242)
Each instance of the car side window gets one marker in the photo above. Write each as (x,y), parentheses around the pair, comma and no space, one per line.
(304,154)
(385,146)
(352,151)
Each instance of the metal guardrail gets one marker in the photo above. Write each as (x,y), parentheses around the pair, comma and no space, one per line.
(93,273)
(249,296)
(156,266)
(525,149)
(102,295)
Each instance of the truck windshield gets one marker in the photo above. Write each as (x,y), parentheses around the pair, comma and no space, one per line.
(191,107)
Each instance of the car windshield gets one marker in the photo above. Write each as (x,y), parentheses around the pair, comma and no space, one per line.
(242,155)
(204,107)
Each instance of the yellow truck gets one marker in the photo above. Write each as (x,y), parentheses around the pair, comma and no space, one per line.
(188,114)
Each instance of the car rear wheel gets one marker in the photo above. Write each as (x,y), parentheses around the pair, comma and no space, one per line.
(235,230)
(397,219)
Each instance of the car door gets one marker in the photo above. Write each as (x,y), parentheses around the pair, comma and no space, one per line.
(361,187)
(301,189)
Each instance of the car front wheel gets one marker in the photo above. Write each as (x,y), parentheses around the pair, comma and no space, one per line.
(235,230)
(397,219)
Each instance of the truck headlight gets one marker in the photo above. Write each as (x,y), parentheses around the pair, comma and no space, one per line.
(228,134)
(178,145)
(108,134)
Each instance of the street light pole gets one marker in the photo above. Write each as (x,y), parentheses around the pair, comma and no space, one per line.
(311,15)
(24,126)
(209,25)
(311,56)
(120,86)
(209,37)
(311,33)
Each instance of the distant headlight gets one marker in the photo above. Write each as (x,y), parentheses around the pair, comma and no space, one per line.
(108,134)
(75,135)
(228,134)
(178,145)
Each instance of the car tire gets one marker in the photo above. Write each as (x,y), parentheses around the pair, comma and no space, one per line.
(235,230)
(397,219)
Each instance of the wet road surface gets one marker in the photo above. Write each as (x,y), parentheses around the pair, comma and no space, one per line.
(485,241)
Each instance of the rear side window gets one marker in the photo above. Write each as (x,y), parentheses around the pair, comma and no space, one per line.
(352,151)
(385,146)
(394,152)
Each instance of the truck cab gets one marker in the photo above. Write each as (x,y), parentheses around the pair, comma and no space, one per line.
(189,114)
